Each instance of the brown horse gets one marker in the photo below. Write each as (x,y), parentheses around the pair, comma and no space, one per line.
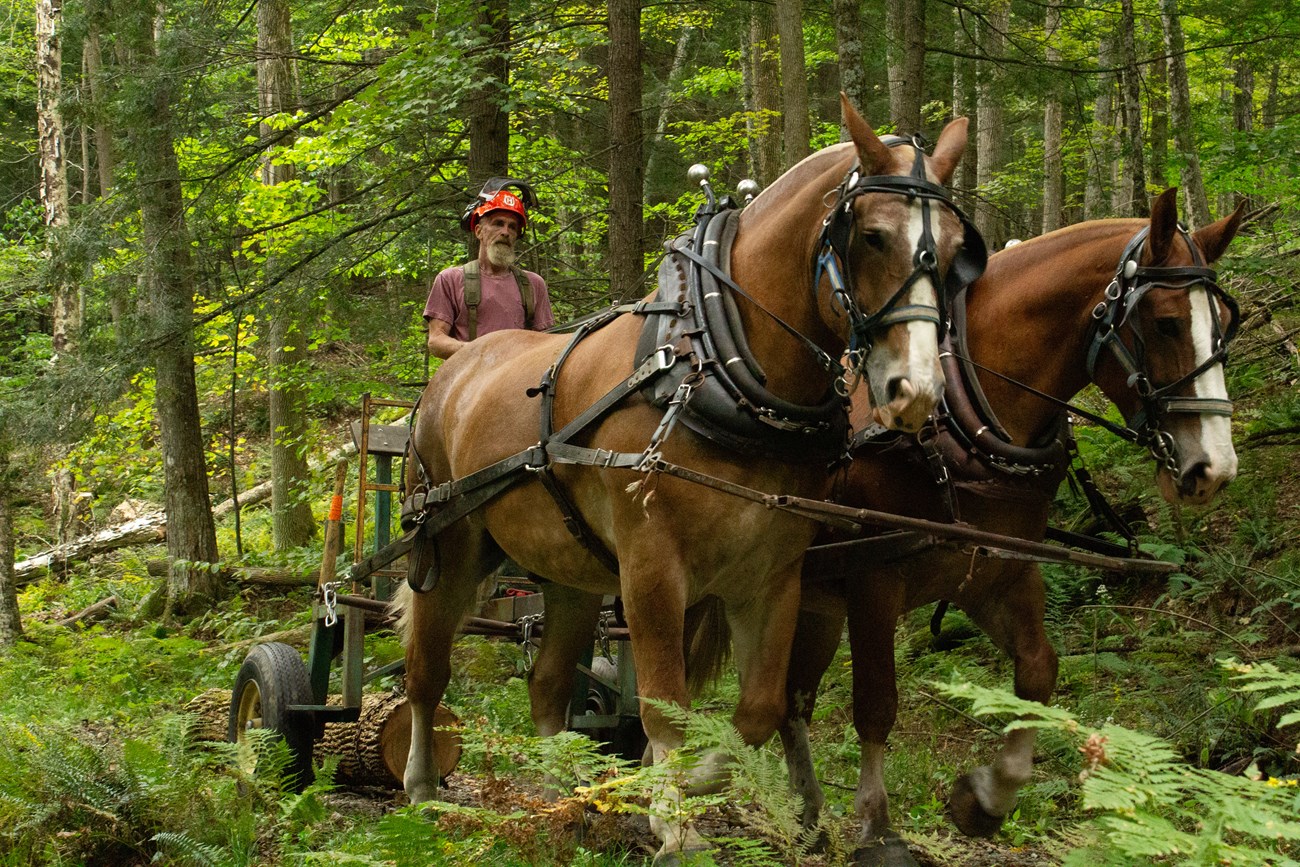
(672,542)
(1144,321)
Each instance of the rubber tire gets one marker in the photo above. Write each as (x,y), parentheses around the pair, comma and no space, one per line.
(273,677)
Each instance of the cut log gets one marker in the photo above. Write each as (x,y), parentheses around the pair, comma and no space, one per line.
(371,751)
(144,530)
(91,613)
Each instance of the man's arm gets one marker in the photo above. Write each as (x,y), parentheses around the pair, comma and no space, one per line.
(441,343)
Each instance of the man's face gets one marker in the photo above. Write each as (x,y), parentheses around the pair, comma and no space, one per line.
(498,231)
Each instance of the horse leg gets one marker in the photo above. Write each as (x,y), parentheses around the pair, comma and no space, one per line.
(1013,620)
(571,617)
(816,638)
(874,606)
(431,621)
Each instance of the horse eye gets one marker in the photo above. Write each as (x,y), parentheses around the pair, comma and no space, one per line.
(1167,327)
(873,238)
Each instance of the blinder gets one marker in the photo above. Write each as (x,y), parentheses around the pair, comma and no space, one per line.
(1115,312)
(837,232)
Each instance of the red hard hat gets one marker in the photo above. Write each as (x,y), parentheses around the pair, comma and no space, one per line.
(502,200)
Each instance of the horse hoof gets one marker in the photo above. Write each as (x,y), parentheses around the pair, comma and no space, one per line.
(890,851)
(968,814)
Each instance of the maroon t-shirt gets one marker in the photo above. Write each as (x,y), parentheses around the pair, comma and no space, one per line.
(500,307)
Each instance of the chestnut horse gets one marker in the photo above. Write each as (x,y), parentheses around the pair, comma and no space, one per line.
(665,551)
(1139,315)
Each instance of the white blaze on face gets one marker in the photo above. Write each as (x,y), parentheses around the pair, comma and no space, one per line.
(1216,430)
(922,337)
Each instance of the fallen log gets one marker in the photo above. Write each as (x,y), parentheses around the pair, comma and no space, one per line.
(145,530)
(259,576)
(91,613)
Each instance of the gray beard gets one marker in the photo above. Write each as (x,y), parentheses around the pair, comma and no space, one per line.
(501,255)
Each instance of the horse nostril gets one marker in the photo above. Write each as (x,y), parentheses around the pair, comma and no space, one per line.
(1190,481)
(899,388)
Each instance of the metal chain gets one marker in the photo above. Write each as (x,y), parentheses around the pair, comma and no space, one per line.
(330,596)
(527,625)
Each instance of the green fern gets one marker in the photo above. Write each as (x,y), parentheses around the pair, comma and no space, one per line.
(1151,807)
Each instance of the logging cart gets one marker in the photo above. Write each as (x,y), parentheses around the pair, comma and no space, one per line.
(370,732)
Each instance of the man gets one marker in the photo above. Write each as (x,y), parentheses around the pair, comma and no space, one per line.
(506,296)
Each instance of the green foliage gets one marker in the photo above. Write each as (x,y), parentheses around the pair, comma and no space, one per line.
(1147,804)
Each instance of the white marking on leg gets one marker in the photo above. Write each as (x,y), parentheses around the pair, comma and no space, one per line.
(803,774)
(996,786)
(420,779)
(872,801)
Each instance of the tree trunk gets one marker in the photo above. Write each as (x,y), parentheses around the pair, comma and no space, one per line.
(292,524)
(169,284)
(626,168)
(1095,202)
(905,26)
(674,80)
(1158,100)
(1053,166)
(103,132)
(849,47)
(66,314)
(489,122)
(767,90)
(1135,184)
(1243,110)
(797,134)
(962,104)
(989,97)
(1180,104)
(11,626)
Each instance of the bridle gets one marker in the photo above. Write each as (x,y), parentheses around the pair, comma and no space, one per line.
(833,245)
(1114,314)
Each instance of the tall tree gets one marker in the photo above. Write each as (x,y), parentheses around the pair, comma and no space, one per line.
(1158,101)
(963,105)
(626,139)
(989,96)
(168,282)
(905,44)
(1135,186)
(489,121)
(797,134)
(1053,165)
(764,56)
(292,524)
(1101,162)
(103,133)
(1180,104)
(66,314)
(851,52)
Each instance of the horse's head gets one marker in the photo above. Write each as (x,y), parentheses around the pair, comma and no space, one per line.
(898,239)
(1166,325)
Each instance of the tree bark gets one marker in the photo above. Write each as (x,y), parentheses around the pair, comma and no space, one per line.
(989,105)
(104,162)
(1180,104)
(626,147)
(66,313)
(794,81)
(11,626)
(962,104)
(767,91)
(292,524)
(1243,111)
(1095,202)
(851,52)
(674,80)
(905,23)
(169,286)
(1053,165)
(1158,100)
(489,122)
(1135,185)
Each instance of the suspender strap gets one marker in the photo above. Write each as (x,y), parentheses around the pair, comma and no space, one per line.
(474,295)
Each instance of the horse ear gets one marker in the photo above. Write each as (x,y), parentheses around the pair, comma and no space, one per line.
(873,153)
(1214,238)
(1164,223)
(948,151)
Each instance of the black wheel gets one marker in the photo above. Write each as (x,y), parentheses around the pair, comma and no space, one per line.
(273,677)
(625,738)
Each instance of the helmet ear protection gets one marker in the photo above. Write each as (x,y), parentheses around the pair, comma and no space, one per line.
(500,194)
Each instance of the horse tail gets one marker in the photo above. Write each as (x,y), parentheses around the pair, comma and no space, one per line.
(706,642)
(400,606)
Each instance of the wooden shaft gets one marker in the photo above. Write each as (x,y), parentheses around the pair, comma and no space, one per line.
(333,523)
